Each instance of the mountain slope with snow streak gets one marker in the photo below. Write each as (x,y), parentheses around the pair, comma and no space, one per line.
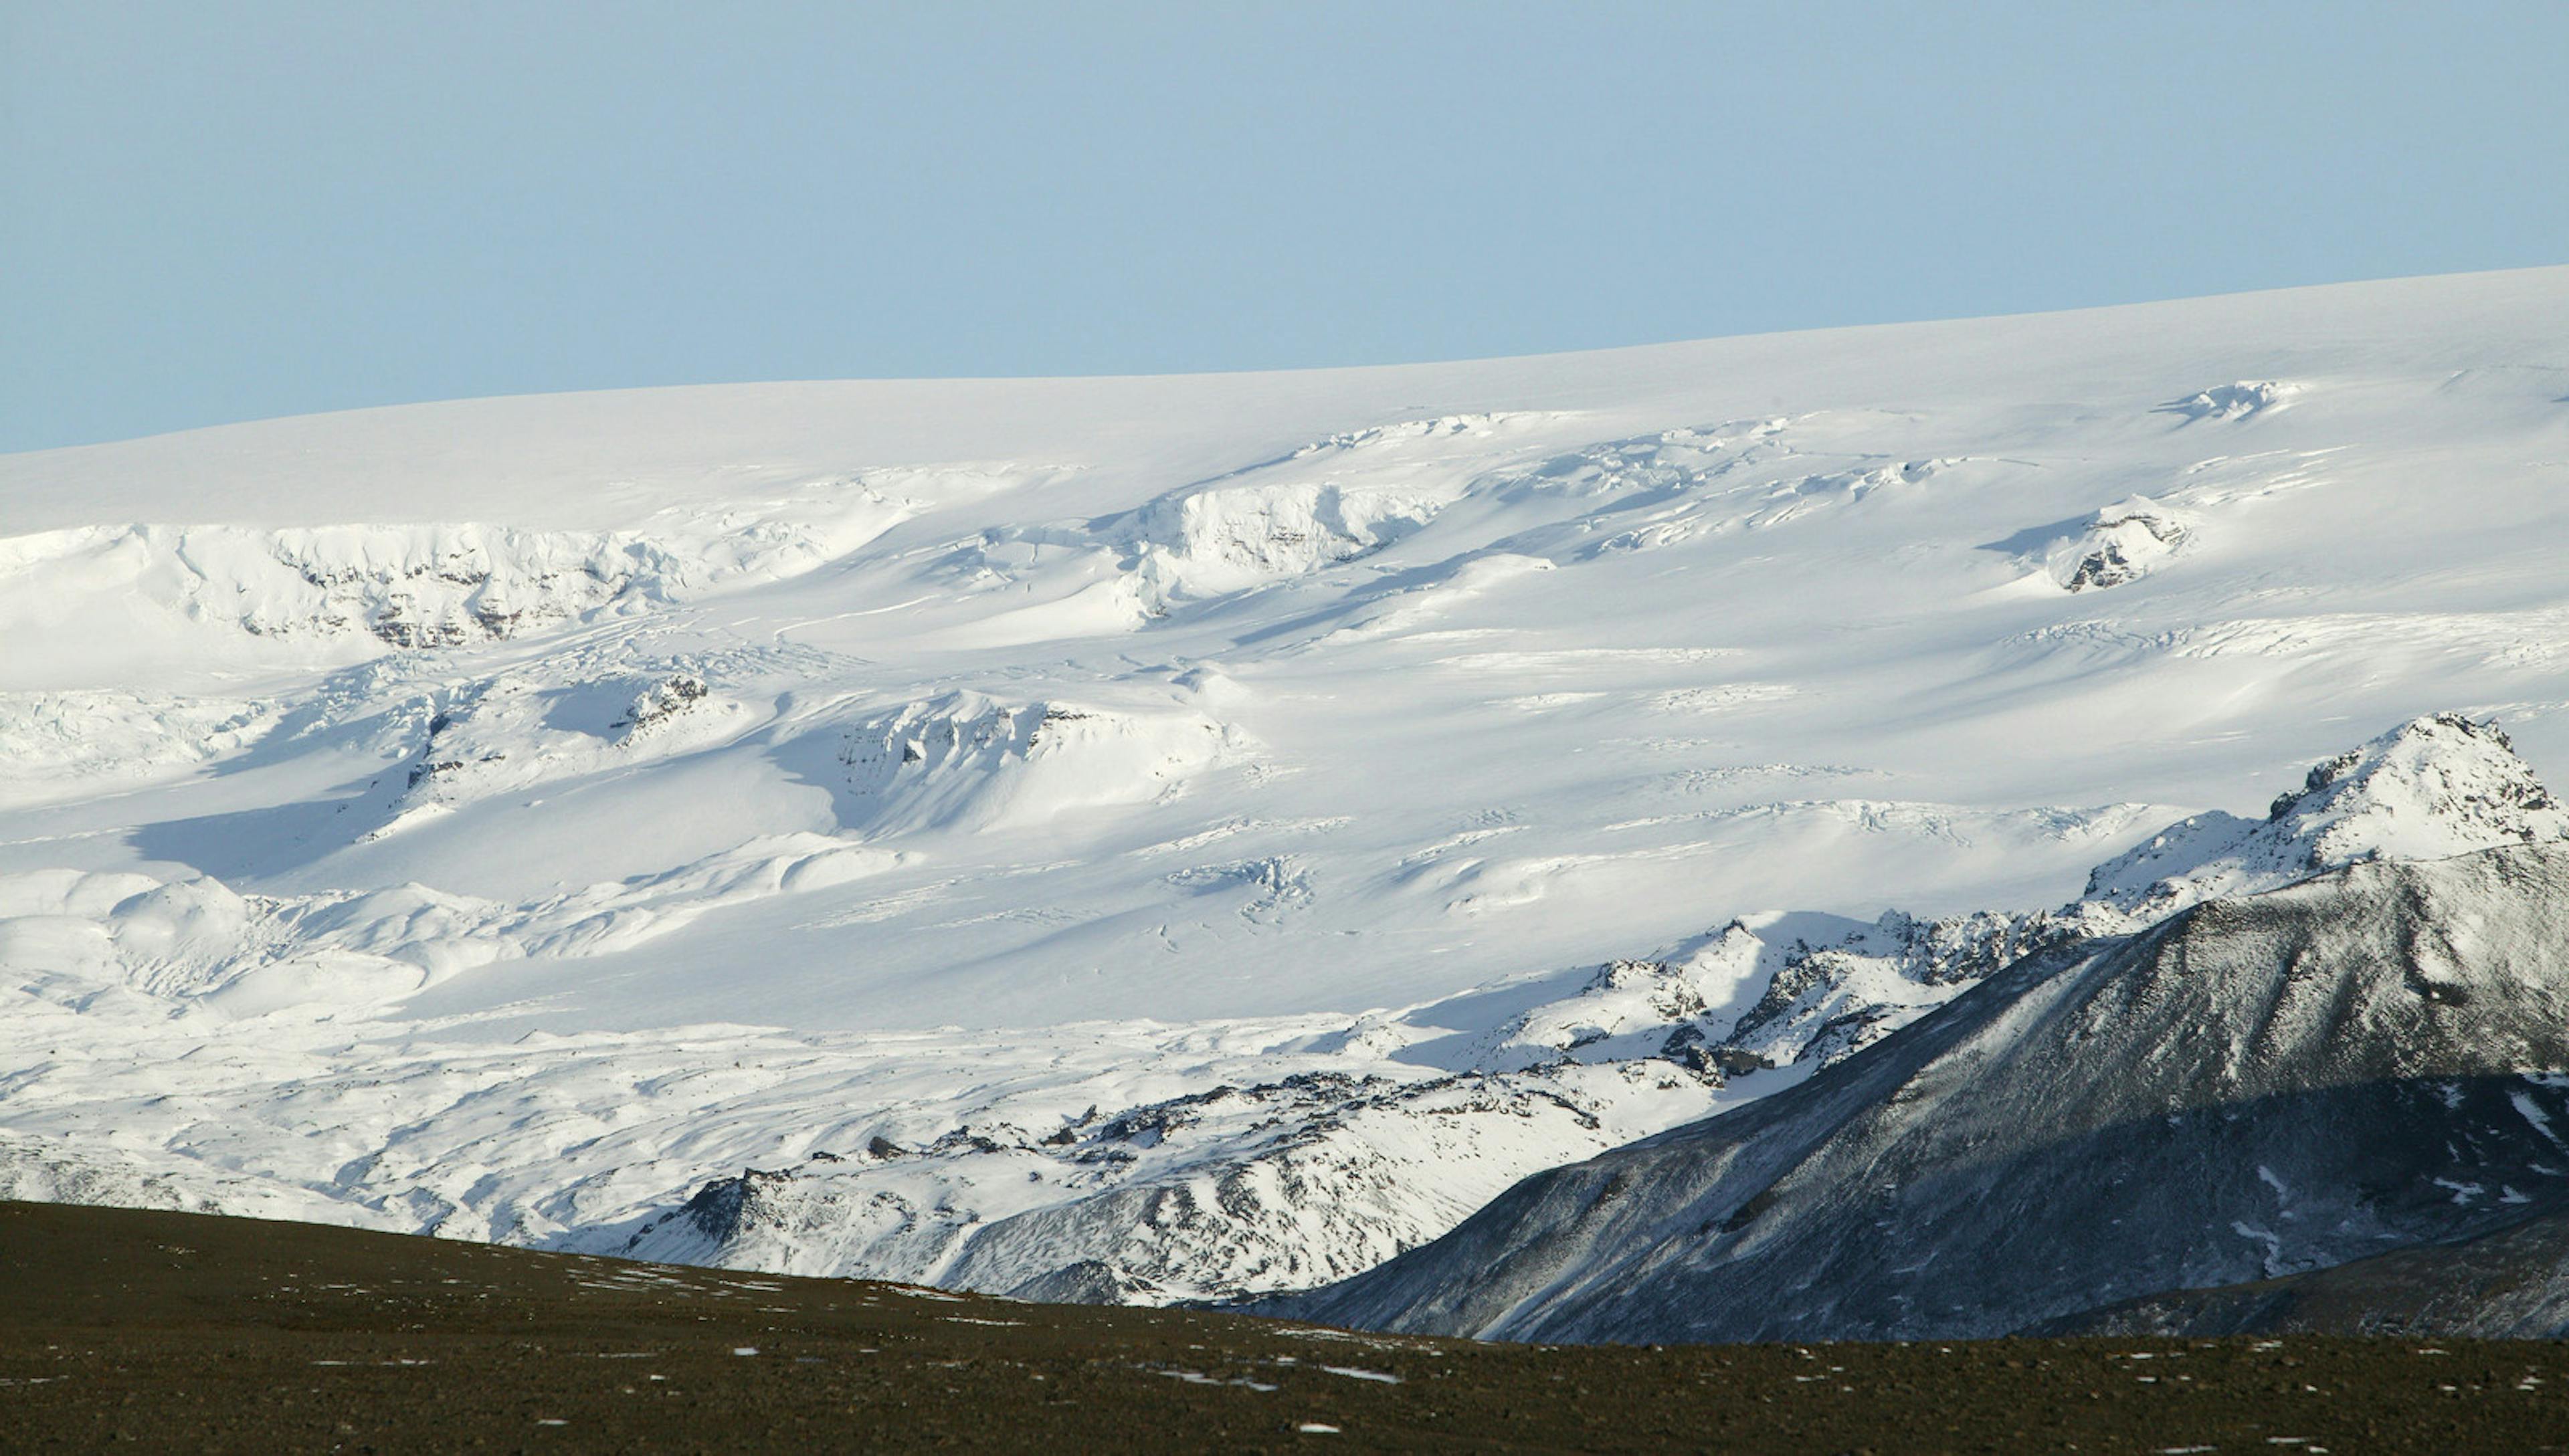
(522,818)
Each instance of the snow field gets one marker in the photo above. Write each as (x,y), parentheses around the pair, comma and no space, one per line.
(1552,750)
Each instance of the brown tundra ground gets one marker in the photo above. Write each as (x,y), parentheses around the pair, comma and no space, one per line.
(178,1332)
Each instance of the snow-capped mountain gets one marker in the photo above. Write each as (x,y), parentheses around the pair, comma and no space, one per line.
(1200,837)
(2374,1058)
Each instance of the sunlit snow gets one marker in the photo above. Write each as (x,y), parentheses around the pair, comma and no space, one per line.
(1145,837)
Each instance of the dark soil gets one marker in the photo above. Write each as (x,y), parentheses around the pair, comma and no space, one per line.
(172,1330)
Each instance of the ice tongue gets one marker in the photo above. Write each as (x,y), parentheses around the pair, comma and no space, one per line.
(2428,789)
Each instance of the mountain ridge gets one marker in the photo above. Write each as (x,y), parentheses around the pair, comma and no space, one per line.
(2240,1091)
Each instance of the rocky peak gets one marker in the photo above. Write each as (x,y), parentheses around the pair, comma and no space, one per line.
(2429,788)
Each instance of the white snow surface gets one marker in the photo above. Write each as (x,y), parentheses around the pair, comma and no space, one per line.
(506,817)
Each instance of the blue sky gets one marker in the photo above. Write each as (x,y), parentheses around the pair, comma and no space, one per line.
(213,212)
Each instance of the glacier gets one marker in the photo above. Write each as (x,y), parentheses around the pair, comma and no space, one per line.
(1204,837)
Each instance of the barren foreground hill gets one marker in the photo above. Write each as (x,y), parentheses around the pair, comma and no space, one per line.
(178,1330)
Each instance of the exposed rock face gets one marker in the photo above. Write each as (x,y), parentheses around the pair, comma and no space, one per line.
(1825,1002)
(659,702)
(2121,544)
(2255,1087)
(1219,1193)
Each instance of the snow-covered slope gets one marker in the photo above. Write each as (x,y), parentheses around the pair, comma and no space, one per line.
(522,816)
